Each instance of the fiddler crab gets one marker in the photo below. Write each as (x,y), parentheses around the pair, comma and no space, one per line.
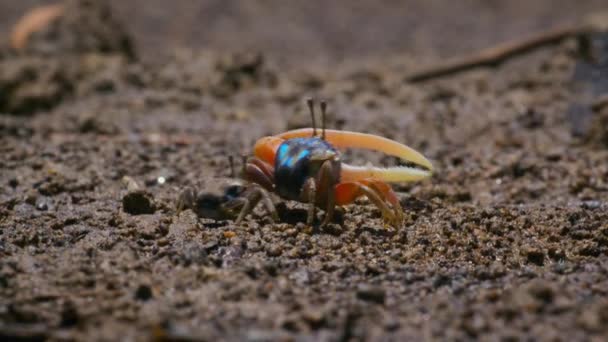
(303,166)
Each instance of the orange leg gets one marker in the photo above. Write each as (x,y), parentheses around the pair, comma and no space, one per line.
(379,193)
(388,194)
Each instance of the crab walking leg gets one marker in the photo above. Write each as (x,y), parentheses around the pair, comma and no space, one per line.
(388,194)
(248,205)
(251,199)
(309,194)
(347,192)
(327,182)
(387,213)
(267,200)
(347,139)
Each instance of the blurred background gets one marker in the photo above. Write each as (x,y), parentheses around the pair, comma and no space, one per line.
(334,30)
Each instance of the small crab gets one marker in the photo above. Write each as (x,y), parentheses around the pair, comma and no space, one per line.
(303,166)
(226,198)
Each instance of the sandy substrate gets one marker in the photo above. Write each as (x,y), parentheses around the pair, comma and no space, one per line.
(508,239)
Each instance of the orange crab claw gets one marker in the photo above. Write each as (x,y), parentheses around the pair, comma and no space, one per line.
(350,173)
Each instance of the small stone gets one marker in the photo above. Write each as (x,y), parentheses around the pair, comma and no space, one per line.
(589,249)
(332,229)
(534,255)
(291,232)
(229,234)
(162,242)
(251,271)
(193,253)
(301,277)
(594,317)
(391,324)
(591,205)
(271,268)
(534,296)
(274,251)
(541,291)
(143,292)
(371,293)
(441,280)
(314,317)
(138,202)
(43,203)
(69,315)
(31,198)
(230,254)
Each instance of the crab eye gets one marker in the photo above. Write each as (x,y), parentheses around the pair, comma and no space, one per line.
(233,191)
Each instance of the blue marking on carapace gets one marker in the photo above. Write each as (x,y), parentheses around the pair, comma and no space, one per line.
(283,151)
(292,164)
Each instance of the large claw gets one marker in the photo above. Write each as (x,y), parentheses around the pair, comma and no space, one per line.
(347,139)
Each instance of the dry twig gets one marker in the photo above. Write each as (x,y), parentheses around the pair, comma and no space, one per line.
(33,21)
(495,55)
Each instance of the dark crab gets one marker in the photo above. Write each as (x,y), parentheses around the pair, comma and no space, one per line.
(226,198)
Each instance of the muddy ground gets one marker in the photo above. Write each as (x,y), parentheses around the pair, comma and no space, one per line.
(507,240)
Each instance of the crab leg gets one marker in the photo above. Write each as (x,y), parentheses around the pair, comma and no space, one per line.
(320,192)
(389,215)
(270,208)
(310,194)
(247,207)
(389,195)
(251,200)
(347,192)
(346,139)
(327,180)
(254,173)
(259,173)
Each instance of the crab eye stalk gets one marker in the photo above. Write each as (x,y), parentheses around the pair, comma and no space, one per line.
(311,109)
(323,120)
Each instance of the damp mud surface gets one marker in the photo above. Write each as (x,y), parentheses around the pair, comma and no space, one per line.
(101,128)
